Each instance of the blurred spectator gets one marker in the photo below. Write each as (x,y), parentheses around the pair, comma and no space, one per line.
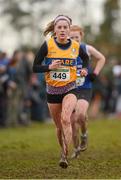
(19,104)
(46,114)
(4,81)
(24,70)
(36,102)
(14,92)
(117,88)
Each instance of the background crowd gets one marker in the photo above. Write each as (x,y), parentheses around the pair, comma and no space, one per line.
(23,97)
(22,93)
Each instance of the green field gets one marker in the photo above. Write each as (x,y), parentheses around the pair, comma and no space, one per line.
(33,152)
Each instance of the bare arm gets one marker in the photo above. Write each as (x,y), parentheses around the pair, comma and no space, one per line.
(98,56)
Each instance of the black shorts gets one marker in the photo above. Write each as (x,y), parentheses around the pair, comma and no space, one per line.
(85,94)
(58,98)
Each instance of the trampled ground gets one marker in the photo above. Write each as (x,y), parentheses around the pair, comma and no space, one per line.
(33,152)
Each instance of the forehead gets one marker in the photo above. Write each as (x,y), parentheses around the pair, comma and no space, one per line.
(62,23)
(74,33)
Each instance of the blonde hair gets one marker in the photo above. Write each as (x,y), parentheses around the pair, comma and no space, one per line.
(50,26)
(77,28)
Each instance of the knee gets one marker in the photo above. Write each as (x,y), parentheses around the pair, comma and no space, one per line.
(65,120)
(82,117)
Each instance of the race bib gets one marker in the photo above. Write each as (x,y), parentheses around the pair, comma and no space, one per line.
(61,74)
(80,80)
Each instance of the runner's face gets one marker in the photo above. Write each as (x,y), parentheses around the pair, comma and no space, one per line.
(62,30)
(75,35)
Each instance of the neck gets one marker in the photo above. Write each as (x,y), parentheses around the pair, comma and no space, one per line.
(62,41)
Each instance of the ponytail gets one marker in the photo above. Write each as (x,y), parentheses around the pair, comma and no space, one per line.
(49,29)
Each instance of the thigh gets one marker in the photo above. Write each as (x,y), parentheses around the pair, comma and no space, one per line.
(55,111)
(84,96)
(81,107)
(69,104)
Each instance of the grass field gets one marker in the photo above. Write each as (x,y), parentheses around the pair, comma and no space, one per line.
(33,152)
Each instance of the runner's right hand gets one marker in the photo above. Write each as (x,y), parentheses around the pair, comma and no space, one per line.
(55,64)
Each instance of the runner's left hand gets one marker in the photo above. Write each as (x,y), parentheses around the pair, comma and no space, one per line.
(83,72)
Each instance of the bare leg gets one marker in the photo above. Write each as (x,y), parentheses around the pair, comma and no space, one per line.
(68,106)
(55,111)
(81,113)
(75,131)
